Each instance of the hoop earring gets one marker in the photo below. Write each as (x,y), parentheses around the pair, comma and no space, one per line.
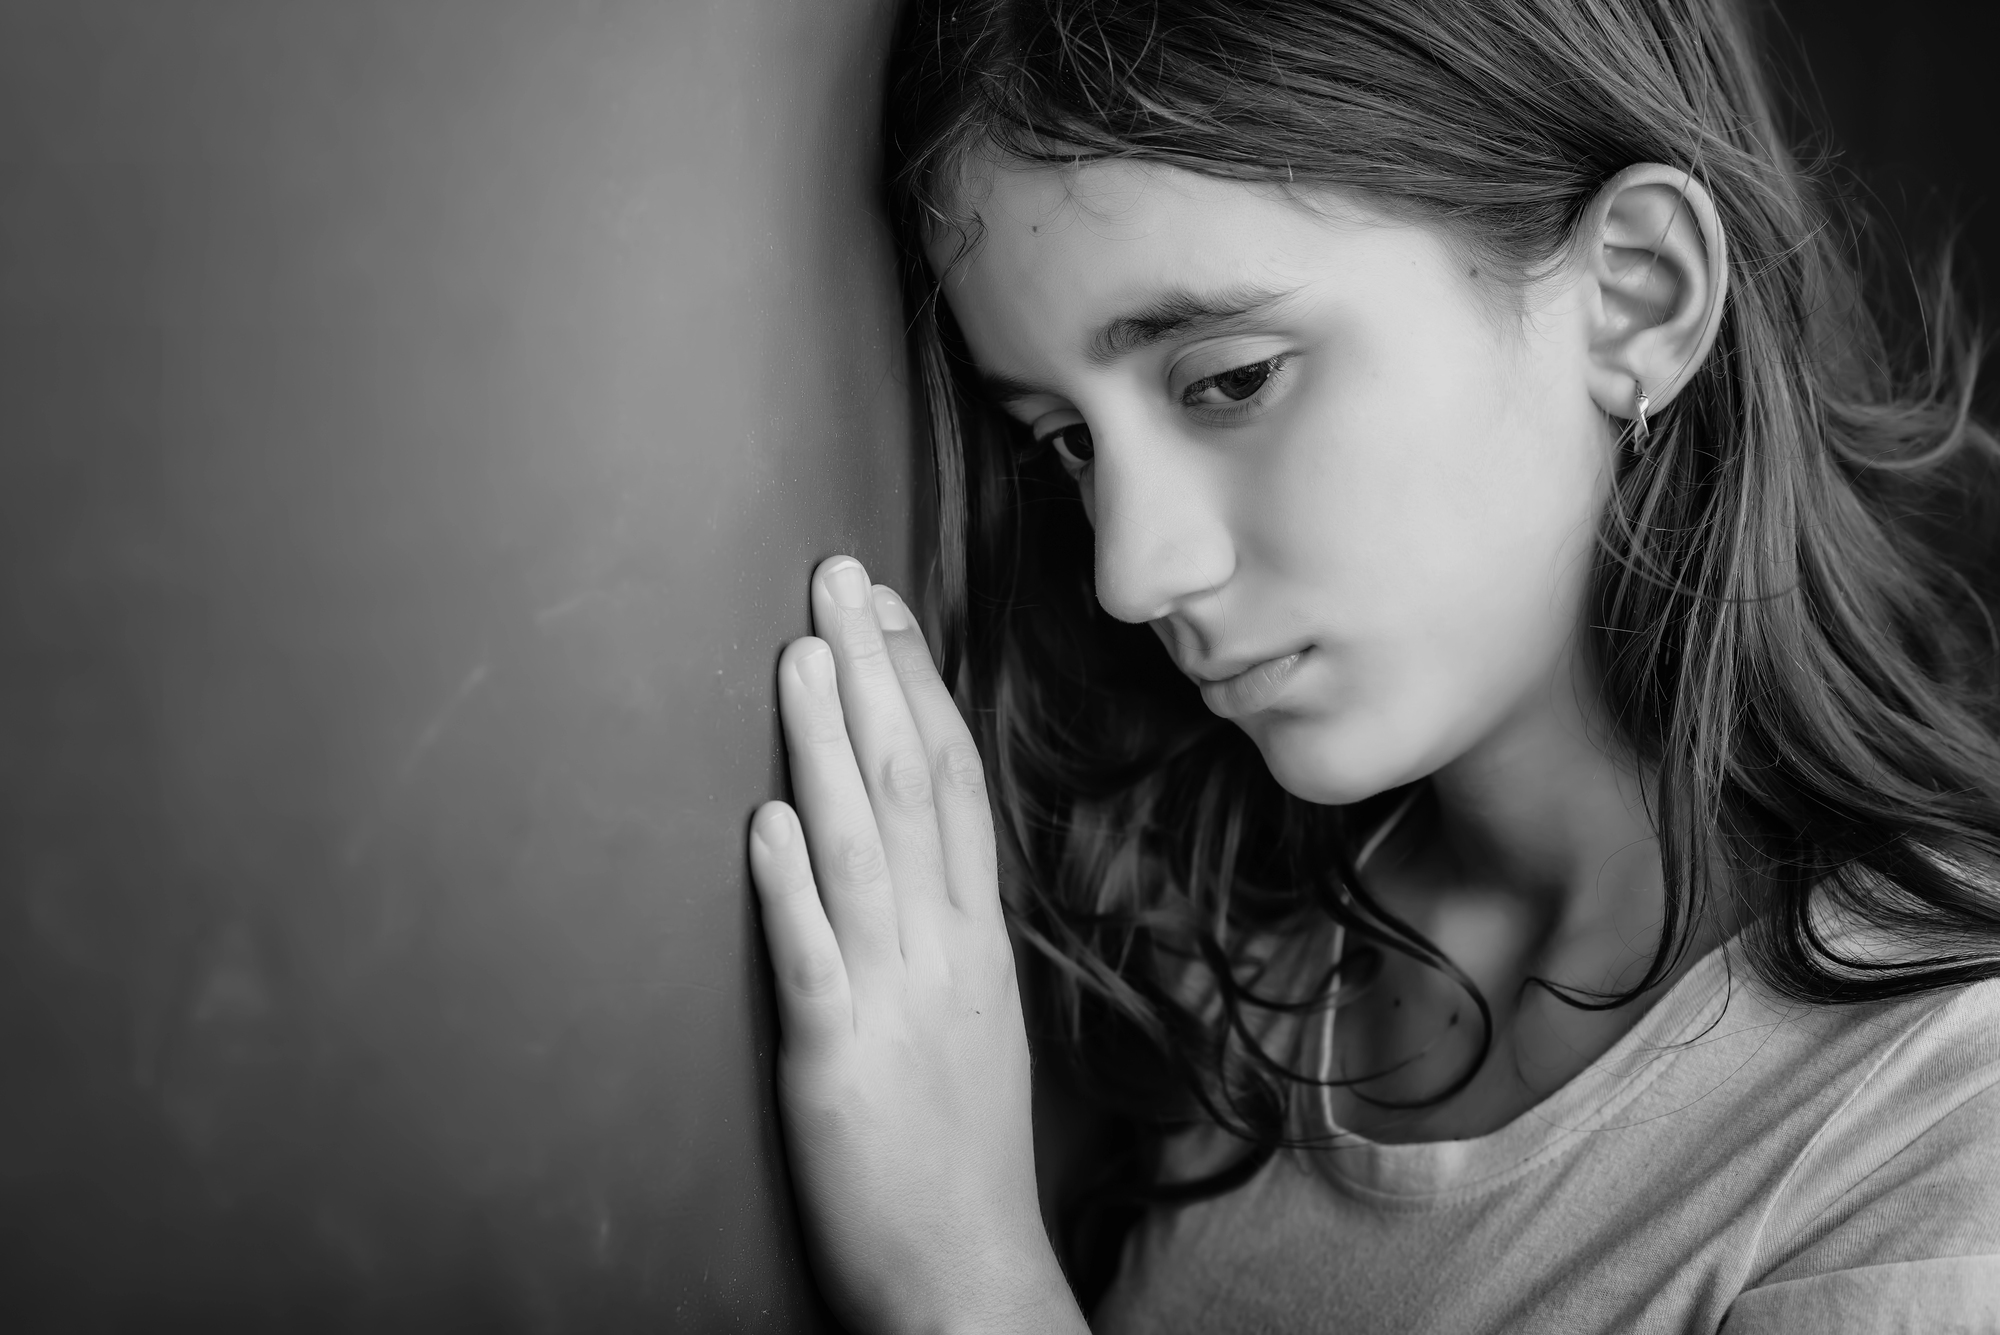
(1641,431)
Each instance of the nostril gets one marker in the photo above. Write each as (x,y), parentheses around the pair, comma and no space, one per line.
(1143,582)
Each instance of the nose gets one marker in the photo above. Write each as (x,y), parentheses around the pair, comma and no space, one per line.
(1161,534)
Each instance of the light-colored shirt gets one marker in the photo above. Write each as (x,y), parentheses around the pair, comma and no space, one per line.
(1735,1162)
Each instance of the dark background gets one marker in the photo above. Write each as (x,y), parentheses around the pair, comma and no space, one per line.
(1899,98)
(417,422)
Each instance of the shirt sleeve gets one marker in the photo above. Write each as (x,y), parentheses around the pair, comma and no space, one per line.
(1892,1221)
(1957,1295)
(1909,1170)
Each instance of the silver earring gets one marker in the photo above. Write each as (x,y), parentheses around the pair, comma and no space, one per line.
(1640,430)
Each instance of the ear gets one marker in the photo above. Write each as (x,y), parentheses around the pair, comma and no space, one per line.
(1656,270)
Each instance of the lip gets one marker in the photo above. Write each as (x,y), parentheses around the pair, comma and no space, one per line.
(1254,689)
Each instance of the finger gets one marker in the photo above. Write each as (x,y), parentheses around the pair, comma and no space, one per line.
(886,742)
(815,1008)
(848,862)
(958,780)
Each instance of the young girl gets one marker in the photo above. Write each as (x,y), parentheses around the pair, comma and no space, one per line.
(1538,873)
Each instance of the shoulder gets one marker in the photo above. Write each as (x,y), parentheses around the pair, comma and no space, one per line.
(1905,1166)
(1933,1095)
(1940,1294)
(1921,1054)
(1909,1059)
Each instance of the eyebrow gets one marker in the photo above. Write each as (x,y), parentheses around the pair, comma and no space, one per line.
(1176,313)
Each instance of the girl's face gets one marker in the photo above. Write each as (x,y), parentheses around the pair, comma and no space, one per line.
(1352,487)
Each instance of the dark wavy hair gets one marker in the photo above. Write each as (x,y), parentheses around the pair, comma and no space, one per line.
(1784,635)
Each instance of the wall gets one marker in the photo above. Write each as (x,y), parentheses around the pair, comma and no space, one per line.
(417,424)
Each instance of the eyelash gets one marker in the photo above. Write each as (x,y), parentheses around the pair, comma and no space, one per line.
(1070,462)
(1270,366)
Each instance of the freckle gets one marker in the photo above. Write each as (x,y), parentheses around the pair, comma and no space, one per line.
(1035,227)
(1474,273)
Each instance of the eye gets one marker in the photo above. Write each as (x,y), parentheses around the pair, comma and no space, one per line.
(1232,386)
(1072,445)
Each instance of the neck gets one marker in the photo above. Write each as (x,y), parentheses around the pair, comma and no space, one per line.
(1544,827)
(1547,803)
(1542,863)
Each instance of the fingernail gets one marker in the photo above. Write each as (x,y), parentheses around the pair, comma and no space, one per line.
(848,583)
(889,609)
(773,830)
(816,669)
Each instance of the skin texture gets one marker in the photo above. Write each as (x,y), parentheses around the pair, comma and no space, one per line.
(1353,486)
(903,1060)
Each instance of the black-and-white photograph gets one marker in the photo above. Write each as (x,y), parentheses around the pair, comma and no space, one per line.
(999,667)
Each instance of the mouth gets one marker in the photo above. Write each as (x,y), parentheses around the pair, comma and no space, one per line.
(1254,689)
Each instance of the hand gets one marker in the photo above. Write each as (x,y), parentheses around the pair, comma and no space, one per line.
(903,1062)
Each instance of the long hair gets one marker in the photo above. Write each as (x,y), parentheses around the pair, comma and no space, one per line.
(1782,641)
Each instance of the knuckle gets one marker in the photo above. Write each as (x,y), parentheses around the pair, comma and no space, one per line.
(959,771)
(858,859)
(913,662)
(823,726)
(814,976)
(794,886)
(904,782)
(859,639)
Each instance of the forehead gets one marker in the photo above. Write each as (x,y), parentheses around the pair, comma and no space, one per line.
(1050,252)
(1020,211)
(1056,257)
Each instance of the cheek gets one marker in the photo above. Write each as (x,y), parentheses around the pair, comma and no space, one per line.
(1442,531)
(1449,483)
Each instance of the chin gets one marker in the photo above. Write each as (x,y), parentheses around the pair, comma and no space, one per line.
(1330,763)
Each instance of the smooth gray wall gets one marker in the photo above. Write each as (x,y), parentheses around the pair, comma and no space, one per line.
(418,420)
